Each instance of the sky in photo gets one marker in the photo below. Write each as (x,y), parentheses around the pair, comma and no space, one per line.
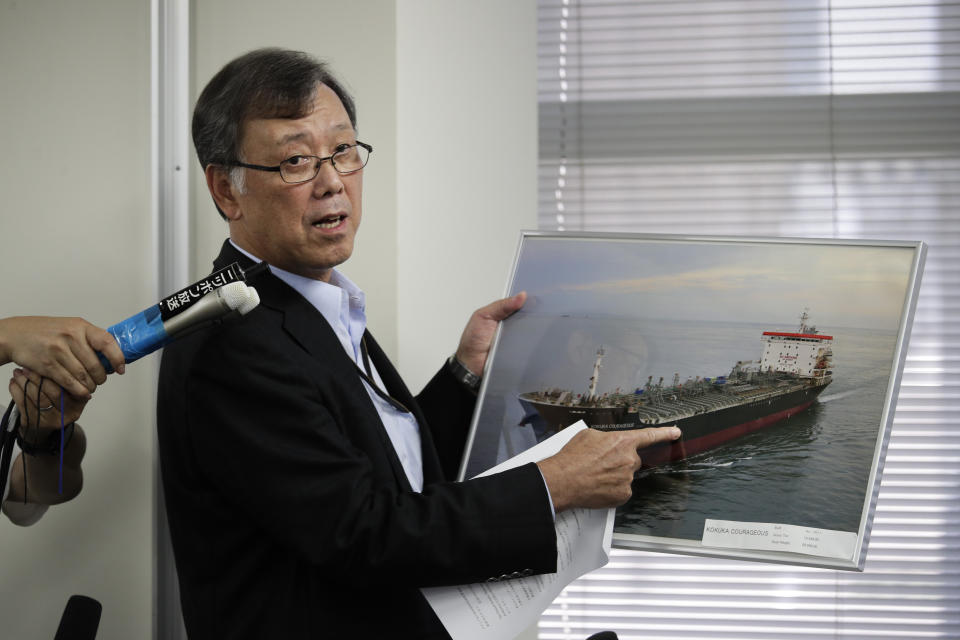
(842,285)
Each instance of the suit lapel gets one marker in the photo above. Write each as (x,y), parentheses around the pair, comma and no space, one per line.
(308,328)
(432,470)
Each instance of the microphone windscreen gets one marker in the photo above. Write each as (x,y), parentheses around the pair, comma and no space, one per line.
(603,635)
(252,301)
(80,619)
(234,295)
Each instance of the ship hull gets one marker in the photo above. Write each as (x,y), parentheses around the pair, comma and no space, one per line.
(701,432)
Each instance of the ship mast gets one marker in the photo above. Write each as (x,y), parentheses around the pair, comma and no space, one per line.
(803,321)
(596,374)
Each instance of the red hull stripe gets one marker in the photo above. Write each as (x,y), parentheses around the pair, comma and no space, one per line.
(661,454)
(818,336)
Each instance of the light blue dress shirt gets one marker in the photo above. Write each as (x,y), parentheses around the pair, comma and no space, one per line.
(343,305)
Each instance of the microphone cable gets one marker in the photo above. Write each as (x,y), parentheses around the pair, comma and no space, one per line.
(19,431)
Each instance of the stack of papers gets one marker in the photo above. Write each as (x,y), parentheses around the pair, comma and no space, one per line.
(498,610)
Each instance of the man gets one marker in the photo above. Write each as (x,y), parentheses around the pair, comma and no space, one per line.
(58,355)
(309,492)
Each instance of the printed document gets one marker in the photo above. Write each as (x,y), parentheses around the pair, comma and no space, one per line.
(498,610)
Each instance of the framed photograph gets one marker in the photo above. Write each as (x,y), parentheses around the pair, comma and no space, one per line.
(778,358)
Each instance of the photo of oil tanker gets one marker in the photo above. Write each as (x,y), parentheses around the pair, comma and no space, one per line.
(792,371)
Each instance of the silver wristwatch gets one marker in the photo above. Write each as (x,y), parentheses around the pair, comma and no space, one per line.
(463,375)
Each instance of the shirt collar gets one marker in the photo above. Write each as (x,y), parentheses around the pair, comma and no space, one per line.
(341,302)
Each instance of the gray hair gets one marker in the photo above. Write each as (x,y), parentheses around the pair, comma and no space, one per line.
(237,179)
(264,83)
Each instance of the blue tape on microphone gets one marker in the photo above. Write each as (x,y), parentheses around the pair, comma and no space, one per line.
(141,334)
(192,306)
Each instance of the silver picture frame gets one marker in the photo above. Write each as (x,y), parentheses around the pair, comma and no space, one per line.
(779,358)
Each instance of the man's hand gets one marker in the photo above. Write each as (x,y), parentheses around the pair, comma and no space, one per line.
(482,326)
(61,349)
(595,469)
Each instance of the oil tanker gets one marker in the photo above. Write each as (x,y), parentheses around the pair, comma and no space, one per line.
(794,368)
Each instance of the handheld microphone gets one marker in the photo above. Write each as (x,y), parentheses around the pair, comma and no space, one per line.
(222,292)
(80,619)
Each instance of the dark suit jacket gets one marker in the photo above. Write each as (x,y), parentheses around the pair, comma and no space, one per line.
(290,514)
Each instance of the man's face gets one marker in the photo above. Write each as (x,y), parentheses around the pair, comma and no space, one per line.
(305,228)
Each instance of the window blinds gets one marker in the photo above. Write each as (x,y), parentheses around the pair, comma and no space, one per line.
(813,118)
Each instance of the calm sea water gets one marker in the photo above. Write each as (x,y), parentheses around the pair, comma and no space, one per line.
(810,470)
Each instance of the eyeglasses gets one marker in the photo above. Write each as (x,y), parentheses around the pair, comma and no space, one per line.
(348,159)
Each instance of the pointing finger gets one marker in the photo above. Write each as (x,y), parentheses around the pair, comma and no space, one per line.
(653,435)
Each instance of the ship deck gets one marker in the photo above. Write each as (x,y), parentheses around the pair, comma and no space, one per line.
(670,408)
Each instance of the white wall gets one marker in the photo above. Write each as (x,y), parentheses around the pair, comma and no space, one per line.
(467,105)
(466,101)
(77,240)
(450,80)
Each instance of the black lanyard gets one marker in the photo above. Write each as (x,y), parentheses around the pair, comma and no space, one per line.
(368,377)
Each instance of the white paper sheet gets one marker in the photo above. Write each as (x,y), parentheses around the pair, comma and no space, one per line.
(499,610)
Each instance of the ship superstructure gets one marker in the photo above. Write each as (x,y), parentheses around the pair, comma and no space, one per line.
(805,353)
(792,371)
